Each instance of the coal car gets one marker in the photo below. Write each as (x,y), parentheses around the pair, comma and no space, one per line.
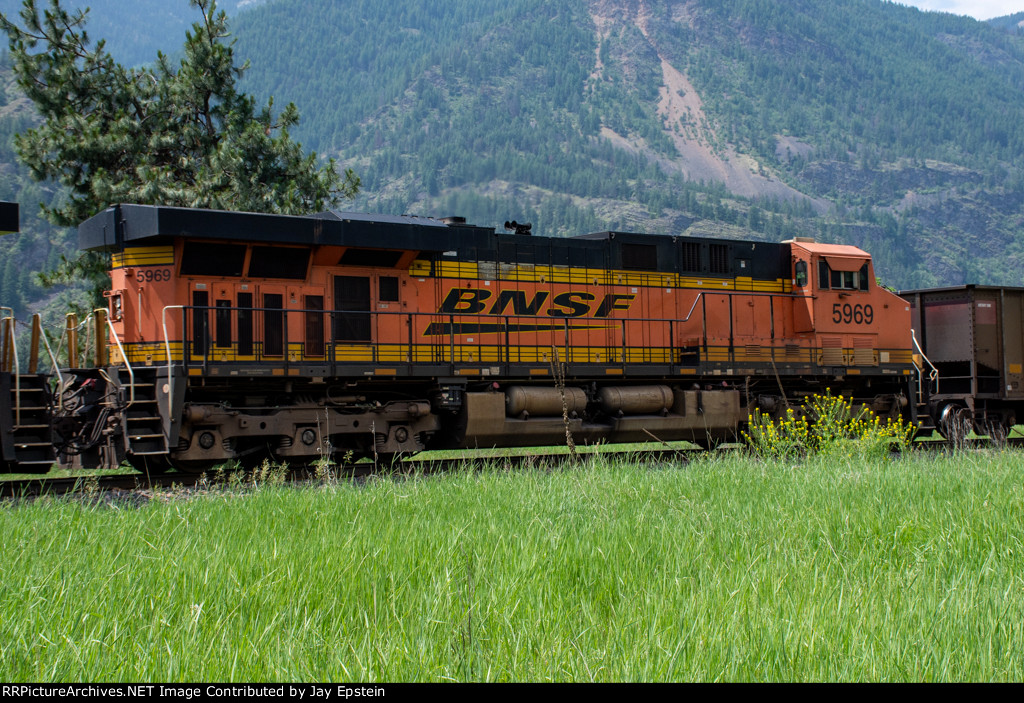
(971,338)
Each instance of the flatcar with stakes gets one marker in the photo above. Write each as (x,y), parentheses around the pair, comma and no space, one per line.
(237,337)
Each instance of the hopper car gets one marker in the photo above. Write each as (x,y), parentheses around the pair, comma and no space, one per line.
(971,343)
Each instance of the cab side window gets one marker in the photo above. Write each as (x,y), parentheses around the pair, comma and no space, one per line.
(842,280)
(800,274)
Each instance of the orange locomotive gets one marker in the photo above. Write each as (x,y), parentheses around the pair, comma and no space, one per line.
(236,336)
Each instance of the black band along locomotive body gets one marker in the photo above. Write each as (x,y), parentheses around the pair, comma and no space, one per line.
(236,337)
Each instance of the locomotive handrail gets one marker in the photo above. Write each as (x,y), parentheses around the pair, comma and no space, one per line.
(60,342)
(4,341)
(450,343)
(87,346)
(933,376)
(7,322)
(56,368)
(124,357)
(84,324)
(73,328)
(97,314)
(54,364)
(693,307)
(449,335)
(444,345)
(167,346)
(89,341)
(10,343)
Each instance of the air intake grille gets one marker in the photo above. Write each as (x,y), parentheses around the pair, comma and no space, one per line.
(863,352)
(832,351)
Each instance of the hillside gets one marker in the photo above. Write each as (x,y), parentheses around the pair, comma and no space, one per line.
(860,121)
(1011,23)
(863,121)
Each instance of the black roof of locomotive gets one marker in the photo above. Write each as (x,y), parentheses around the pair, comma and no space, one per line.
(123,226)
(126,225)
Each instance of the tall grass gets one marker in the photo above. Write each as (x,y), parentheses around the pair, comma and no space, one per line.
(723,569)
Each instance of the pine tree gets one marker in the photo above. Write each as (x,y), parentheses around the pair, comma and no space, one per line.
(161,134)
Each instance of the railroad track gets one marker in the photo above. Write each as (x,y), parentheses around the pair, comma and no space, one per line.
(34,487)
(971,443)
(135,483)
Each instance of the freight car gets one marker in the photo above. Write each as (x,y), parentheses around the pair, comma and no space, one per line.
(972,338)
(237,336)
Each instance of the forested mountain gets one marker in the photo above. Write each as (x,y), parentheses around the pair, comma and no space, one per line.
(861,121)
(858,121)
(1011,23)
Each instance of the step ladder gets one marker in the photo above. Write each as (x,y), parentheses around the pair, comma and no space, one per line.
(142,423)
(926,427)
(25,422)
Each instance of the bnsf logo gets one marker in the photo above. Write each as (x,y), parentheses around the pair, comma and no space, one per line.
(475,301)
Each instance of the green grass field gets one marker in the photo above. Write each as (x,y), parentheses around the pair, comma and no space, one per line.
(723,569)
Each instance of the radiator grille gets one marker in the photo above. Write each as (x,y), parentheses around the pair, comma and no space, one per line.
(691,256)
(718,255)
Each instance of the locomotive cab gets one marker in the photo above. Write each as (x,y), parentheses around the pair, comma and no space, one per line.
(857,323)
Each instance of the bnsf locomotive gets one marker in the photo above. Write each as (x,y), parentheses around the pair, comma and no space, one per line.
(236,337)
